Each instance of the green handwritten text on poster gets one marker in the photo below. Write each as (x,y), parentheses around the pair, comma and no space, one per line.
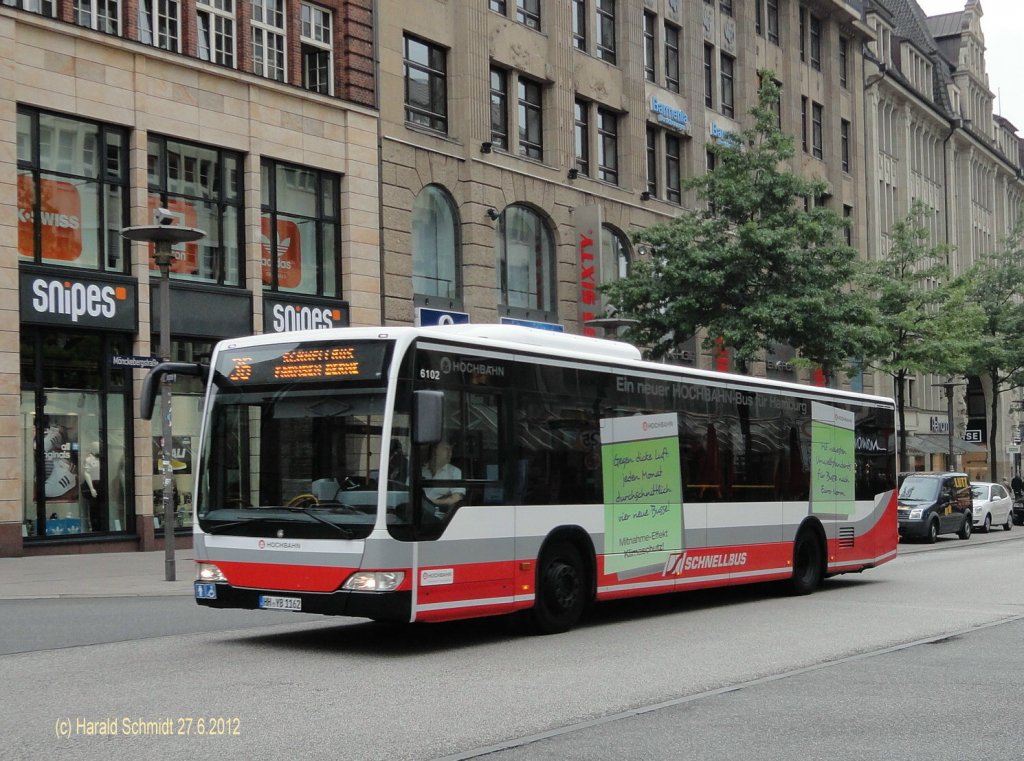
(832,468)
(643,503)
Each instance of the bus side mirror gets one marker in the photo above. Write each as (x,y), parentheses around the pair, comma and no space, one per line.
(151,383)
(428,414)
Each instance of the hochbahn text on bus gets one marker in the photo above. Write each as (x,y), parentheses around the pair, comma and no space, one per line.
(432,474)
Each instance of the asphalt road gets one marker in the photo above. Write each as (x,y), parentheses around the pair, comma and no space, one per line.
(919,658)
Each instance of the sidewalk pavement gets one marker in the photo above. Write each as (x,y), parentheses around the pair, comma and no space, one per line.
(113,574)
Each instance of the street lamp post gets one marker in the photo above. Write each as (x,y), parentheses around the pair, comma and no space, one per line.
(163,236)
(948,387)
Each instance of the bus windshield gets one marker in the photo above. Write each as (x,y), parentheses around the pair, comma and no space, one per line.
(298,459)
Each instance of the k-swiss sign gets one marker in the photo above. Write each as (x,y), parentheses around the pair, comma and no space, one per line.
(74,301)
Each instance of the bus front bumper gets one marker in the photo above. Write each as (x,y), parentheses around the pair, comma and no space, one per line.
(379,606)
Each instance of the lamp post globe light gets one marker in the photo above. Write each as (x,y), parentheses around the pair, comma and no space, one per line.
(163,235)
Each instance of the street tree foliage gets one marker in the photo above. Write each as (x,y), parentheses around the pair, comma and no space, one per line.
(925,321)
(997,288)
(762,265)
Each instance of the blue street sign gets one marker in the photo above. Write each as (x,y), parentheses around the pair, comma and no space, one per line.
(426,317)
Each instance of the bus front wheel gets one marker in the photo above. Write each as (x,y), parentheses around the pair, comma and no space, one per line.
(561,592)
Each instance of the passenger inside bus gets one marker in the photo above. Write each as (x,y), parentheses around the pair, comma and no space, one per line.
(442,500)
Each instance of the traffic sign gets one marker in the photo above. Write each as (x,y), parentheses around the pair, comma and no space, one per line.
(426,317)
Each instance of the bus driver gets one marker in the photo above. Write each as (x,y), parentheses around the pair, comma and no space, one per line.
(439,468)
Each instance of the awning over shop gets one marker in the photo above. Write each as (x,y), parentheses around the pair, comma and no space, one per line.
(938,443)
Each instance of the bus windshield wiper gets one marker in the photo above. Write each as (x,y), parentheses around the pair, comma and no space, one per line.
(345,532)
(220,527)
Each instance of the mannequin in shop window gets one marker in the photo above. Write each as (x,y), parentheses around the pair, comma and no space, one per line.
(91,489)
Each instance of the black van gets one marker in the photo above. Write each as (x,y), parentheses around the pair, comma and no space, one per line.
(934,503)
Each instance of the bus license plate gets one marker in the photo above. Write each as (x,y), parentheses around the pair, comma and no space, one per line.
(280,603)
(206,591)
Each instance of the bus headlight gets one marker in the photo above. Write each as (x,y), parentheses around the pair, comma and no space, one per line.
(209,572)
(374,581)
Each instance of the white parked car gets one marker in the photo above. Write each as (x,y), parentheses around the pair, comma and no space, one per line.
(992,504)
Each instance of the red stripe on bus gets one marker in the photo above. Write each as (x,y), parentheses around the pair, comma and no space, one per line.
(285,578)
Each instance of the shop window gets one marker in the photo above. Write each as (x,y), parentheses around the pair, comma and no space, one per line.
(186,413)
(526,260)
(72,191)
(77,446)
(300,231)
(202,186)
(435,244)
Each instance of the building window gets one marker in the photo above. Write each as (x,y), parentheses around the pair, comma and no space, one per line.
(426,85)
(728,103)
(759,18)
(582,130)
(160,24)
(101,15)
(317,49)
(817,149)
(711,161)
(606,30)
(72,191)
(608,146)
(815,43)
(268,35)
(803,122)
(215,31)
(435,244)
(526,260)
(848,228)
(844,46)
(673,174)
(528,13)
(726,7)
(202,185)
(497,6)
(650,74)
(614,255)
(42,7)
(709,76)
(301,229)
(803,34)
(652,161)
(772,17)
(531,119)
(579,24)
(499,108)
(844,137)
(672,57)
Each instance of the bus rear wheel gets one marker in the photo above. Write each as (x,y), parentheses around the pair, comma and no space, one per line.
(808,564)
(561,589)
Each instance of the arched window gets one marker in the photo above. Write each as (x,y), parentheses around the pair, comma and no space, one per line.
(526,260)
(435,244)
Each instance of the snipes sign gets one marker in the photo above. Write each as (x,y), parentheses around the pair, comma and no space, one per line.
(73,301)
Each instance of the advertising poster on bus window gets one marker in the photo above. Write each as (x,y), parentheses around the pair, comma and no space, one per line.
(643,496)
(833,446)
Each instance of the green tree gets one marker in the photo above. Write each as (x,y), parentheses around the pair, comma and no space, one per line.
(762,265)
(997,288)
(926,322)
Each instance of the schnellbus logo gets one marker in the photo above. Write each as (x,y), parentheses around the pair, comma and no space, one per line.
(76,300)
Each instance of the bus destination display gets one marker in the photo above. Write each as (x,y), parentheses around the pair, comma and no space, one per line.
(301,363)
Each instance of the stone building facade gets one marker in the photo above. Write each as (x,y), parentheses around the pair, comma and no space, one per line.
(933,136)
(258,127)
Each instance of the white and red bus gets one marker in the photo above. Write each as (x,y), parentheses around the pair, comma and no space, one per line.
(578,472)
